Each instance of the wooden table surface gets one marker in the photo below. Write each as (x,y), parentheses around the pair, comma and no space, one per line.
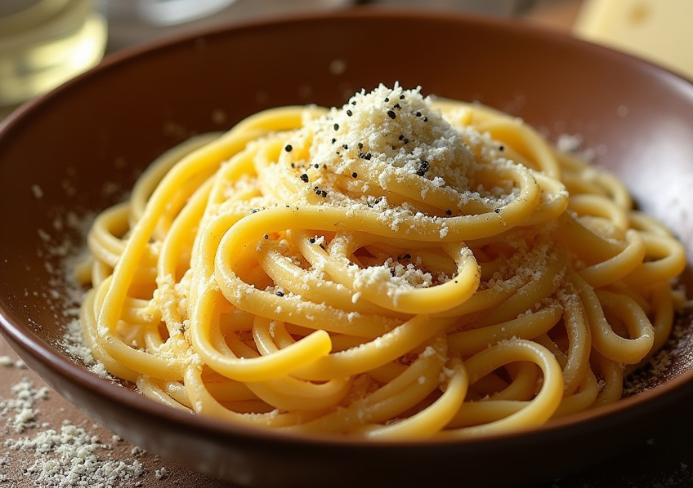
(31,414)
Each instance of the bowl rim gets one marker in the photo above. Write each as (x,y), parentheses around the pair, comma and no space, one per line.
(34,347)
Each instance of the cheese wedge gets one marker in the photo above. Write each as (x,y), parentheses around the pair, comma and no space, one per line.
(656,30)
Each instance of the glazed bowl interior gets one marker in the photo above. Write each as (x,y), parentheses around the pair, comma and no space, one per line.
(79,149)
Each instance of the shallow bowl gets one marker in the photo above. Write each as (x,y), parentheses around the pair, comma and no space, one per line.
(77,149)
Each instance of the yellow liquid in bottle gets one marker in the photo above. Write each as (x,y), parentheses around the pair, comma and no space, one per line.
(44,43)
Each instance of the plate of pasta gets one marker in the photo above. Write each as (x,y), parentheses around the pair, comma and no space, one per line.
(347,246)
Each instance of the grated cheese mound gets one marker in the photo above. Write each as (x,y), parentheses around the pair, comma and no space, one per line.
(397,131)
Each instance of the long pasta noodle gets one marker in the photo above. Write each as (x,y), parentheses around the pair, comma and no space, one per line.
(400,267)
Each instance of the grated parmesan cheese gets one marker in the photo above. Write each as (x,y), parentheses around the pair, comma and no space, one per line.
(37,191)
(380,126)
(69,457)
(64,457)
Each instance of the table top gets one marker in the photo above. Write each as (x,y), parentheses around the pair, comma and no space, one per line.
(33,417)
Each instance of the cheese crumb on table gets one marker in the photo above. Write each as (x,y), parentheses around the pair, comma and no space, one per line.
(46,442)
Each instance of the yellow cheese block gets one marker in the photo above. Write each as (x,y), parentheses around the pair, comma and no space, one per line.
(657,30)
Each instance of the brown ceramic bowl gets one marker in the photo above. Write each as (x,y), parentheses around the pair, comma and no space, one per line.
(62,152)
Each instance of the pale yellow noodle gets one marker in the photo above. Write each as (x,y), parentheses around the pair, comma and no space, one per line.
(397,268)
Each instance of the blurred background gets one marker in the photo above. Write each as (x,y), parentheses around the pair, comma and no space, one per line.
(46,42)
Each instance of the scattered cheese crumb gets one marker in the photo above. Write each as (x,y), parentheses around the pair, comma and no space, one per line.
(338,66)
(69,457)
(37,191)
(21,408)
(59,458)
(161,473)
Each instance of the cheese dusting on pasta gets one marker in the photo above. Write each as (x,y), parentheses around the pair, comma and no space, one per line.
(401,267)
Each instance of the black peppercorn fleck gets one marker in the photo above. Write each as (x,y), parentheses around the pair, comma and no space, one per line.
(423,168)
